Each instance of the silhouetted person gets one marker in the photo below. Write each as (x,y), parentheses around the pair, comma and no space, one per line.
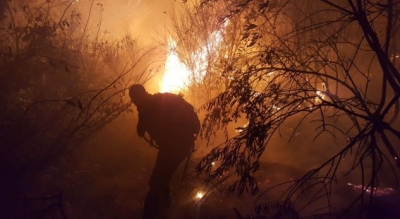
(173,125)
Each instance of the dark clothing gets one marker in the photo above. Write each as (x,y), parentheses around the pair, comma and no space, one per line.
(168,160)
(173,124)
(166,117)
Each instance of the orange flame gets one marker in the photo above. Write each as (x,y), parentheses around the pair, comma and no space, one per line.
(176,75)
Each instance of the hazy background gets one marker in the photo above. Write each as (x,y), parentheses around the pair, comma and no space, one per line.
(147,20)
(107,176)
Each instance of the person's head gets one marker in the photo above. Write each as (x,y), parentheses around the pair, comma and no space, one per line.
(138,94)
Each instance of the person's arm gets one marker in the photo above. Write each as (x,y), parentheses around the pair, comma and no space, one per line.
(141,125)
(140,129)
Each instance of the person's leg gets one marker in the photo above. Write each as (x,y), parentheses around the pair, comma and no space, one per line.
(151,203)
(158,197)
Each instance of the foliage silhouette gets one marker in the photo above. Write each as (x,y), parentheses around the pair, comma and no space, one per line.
(330,65)
(58,85)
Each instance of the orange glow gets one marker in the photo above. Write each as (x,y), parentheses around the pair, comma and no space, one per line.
(177,74)
(199,195)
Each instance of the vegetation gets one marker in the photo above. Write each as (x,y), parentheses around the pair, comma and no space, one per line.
(327,69)
(295,66)
(60,83)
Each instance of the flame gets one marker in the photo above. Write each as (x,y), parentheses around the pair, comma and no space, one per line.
(176,75)
(320,95)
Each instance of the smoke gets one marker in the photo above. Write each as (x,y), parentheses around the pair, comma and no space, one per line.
(145,19)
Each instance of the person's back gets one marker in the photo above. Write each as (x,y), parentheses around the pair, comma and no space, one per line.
(168,117)
(173,124)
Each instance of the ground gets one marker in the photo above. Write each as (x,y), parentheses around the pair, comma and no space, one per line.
(107,178)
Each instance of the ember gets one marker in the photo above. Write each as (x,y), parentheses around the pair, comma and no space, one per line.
(378,191)
(199,195)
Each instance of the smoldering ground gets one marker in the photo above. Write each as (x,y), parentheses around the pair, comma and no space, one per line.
(107,178)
